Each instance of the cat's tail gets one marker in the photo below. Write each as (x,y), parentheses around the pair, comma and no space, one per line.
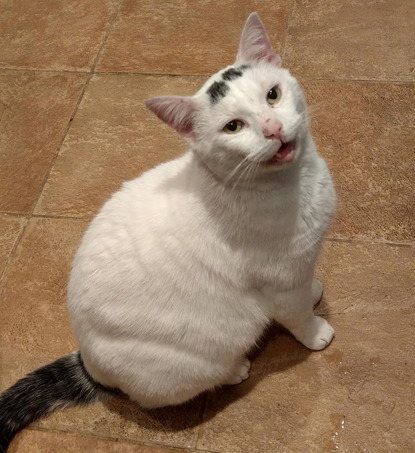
(60,384)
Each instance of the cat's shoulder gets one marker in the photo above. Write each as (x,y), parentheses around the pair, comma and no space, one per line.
(160,174)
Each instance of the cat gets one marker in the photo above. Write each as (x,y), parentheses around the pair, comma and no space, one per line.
(181,271)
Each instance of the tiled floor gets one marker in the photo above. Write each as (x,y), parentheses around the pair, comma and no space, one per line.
(73,78)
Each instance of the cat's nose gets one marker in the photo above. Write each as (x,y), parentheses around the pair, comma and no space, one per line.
(272,129)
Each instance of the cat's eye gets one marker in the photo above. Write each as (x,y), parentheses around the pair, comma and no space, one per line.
(233,127)
(274,95)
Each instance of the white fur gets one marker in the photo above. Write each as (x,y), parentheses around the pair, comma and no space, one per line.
(184,267)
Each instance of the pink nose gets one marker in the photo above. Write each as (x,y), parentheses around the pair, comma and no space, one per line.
(273,130)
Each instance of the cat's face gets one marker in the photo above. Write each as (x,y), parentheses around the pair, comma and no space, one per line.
(246,120)
(258,117)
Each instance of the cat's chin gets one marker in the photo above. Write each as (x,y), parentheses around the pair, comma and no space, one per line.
(283,156)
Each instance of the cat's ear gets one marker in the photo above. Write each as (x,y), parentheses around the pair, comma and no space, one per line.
(176,111)
(255,44)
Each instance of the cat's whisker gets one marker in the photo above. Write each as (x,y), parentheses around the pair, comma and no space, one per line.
(250,163)
(241,175)
(252,170)
(236,169)
(243,163)
(255,168)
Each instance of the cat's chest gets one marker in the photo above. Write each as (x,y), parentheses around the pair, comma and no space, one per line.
(285,244)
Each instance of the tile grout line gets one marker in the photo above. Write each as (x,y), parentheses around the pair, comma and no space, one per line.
(30,214)
(306,79)
(91,73)
(351,239)
(58,148)
(374,81)
(362,312)
(302,79)
(47,70)
(284,39)
(116,439)
(62,217)
(106,36)
(358,240)
(13,249)
(158,74)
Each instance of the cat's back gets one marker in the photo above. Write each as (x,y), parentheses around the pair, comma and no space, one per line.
(128,222)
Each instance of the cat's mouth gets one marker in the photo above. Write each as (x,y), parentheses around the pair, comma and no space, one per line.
(283,155)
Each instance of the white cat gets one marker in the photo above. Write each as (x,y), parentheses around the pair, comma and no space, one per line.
(181,271)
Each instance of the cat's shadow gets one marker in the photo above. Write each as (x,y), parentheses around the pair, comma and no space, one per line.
(277,352)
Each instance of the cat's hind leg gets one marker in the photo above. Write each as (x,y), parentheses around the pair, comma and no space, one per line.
(239,373)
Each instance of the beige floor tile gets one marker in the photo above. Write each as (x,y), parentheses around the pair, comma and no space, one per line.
(35,330)
(34,112)
(185,37)
(366,277)
(113,138)
(10,228)
(30,441)
(366,132)
(53,35)
(352,40)
(33,289)
(356,396)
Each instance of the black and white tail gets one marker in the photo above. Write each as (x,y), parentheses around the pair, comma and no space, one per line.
(60,384)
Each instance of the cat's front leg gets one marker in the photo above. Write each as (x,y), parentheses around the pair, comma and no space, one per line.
(316,291)
(294,310)
(315,333)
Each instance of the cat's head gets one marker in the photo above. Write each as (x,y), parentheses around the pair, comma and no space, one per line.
(248,119)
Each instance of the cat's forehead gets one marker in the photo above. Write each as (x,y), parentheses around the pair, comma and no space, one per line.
(218,86)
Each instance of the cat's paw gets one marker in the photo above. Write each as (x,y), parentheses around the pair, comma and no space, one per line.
(316,291)
(316,335)
(240,373)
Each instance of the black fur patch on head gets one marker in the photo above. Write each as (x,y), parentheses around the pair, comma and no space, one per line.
(231,73)
(217,91)
(234,73)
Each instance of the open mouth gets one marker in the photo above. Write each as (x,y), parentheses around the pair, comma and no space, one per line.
(285,154)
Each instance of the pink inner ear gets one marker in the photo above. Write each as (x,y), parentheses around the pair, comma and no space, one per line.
(176,111)
(255,44)
(275,59)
